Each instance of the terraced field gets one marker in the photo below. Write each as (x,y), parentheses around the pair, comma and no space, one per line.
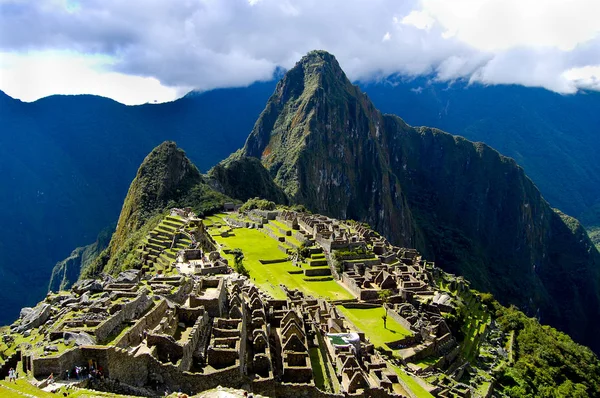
(258,246)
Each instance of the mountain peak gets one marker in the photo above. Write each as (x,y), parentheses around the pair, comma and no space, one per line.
(165,175)
(320,61)
(316,70)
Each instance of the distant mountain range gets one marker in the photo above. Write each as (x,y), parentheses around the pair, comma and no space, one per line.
(67,161)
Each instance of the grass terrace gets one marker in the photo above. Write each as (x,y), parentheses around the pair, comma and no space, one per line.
(22,388)
(411,382)
(258,246)
(369,321)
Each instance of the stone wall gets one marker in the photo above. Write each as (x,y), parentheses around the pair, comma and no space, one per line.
(190,345)
(271,388)
(130,310)
(149,321)
(43,367)
(317,272)
(402,321)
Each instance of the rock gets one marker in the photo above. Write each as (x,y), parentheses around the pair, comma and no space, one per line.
(81,338)
(88,285)
(129,276)
(181,325)
(27,333)
(85,298)
(51,348)
(34,318)
(25,311)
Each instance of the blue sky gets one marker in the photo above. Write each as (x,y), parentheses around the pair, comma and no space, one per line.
(138,51)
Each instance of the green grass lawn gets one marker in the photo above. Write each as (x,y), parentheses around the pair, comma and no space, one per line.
(413,384)
(280,225)
(258,246)
(21,388)
(368,320)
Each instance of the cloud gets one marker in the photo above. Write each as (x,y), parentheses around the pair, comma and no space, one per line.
(222,43)
(40,74)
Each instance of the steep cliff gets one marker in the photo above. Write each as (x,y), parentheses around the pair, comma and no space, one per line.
(472,210)
(245,178)
(66,272)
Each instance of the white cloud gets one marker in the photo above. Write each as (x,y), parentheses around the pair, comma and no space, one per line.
(495,25)
(585,77)
(161,47)
(32,76)
(418,19)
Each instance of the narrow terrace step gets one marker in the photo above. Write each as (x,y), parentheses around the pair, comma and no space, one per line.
(172,224)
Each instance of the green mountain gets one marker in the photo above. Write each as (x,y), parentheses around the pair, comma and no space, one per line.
(166,179)
(553,137)
(463,204)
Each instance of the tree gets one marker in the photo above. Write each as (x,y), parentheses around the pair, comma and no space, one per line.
(238,262)
(384,296)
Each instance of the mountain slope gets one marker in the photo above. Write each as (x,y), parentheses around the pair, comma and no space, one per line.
(165,179)
(462,203)
(553,137)
(67,162)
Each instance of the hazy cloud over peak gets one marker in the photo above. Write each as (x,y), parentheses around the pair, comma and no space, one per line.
(206,44)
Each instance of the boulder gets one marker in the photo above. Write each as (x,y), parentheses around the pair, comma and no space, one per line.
(88,285)
(81,338)
(129,276)
(34,318)
(25,312)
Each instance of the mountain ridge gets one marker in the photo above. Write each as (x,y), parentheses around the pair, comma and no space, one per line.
(474,210)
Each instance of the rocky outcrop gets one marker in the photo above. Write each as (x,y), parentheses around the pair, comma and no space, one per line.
(245,178)
(33,317)
(66,272)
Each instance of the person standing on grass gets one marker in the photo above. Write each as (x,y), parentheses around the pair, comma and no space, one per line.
(11,375)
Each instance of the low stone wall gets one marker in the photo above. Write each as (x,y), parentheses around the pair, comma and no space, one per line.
(272,388)
(366,262)
(402,321)
(43,367)
(361,305)
(274,261)
(151,319)
(190,345)
(283,248)
(128,311)
(369,294)
(317,272)
(182,293)
(405,342)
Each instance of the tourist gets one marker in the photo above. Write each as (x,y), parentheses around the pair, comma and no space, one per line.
(12,375)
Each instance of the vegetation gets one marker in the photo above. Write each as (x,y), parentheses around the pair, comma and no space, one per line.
(238,262)
(246,178)
(384,296)
(368,320)
(547,362)
(258,203)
